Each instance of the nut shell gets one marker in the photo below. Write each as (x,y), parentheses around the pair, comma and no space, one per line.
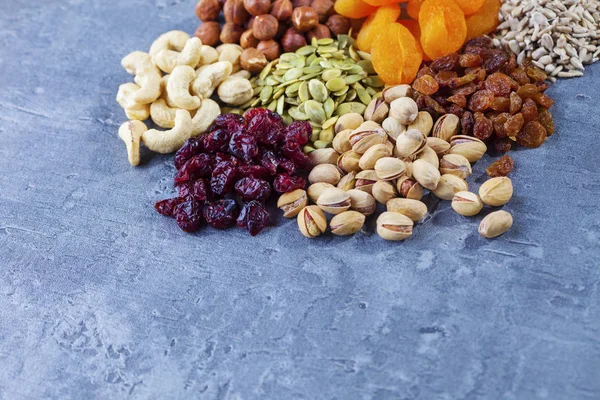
(394,226)
(446,127)
(292,203)
(368,160)
(423,123)
(323,156)
(347,223)
(449,185)
(305,18)
(389,168)
(404,109)
(334,201)
(410,143)
(392,93)
(455,164)
(366,136)
(362,202)
(468,146)
(467,204)
(426,174)
(316,189)
(325,173)
(312,222)
(384,191)
(496,192)
(495,224)
(414,209)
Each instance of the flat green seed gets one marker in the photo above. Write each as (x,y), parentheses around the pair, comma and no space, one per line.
(326,64)
(297,115)
(329,74)
(287,119)
(308,149)
(355,69)
(300,62)
(364,55)
(315,135)
(306,50)
(374,81)
(367,66)
(353,54)
(341,99)
(314,42)
(321,144)
(272,105)
(317,61)
(266,70)
(329,107)
(303,94)
(312,69)
(363,96)
(278,93)
(266,93)
(309,76)
(270,81)
(350,79)
(248,103)
(336,84)
(287,57)
(351,107)
(351,95)
(256,91)
(326,49)
(327,135)
(315,111)
(342,41)
(280,104)
(371,91)
(292,74)
(325,41)
(292,89)
(342,92)
(330,122)
(317,90)
(284,66)
(255,103)
(291,100)
(310,59)
(301,107)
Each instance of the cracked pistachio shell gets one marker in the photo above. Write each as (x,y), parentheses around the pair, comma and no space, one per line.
(316,189)
(341,141)
(423,123)
(347,223)
(495,224)
(430,156)
(348,181)
(389,168)
(394,226)
(325,173)
(377,110)
(393,128)
(414,209)
(366,136)
(383,191)
(348,161)
(334,201)
(409,167)
(455,164)
(467,146)
(404,109)
(362,202)
(440,146)
(496,192)
(392,93)
(448,186)
(467,203)
(348,121)
(368,160)
(409,188)
(292,202)
(365,180)
(323,156)
(312,221)
(426,174)
(446,127)
(410,143)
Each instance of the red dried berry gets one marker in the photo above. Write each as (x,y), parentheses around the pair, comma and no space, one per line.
(267,128)
(221,214)
(254,217)
(167,207)
(197,167)
(244,146)
(217,140)
(189,215)
(254,171)
(253,189)
(231,122)
(250,114)
(223,178)
(298,133)
(286,183)
(191,148)
(296,156)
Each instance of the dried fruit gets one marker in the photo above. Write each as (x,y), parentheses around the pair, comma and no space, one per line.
(532,135)
(484,20)
(354,8)
(443,27)
(426,85)
(395,54)
(221,214)
(254,217)
(188,215)
(385,15)
(500,167)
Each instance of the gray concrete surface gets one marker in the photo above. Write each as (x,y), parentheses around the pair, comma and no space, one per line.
(102,298)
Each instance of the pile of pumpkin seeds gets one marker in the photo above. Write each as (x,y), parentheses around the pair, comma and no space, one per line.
(318,83)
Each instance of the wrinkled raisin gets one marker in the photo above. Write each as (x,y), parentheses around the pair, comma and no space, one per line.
(221,214)
(191,148)
(223,178)
(465,90)
(425,71)
(527,91)
(498,122)
(536,74)
(444,78)
(167,207)
(458,99)
(463,80)
(286,183)
(189,215)
(434,105)
(253,189)
(502,145)
(426,85)
(513,125)
(511,64)
(445,63)
(532,135)
(470,60)
(500,84)
(500,104)
(515,103)
(454,109)
(529,111)
(254,217)
(500,167)
(545,118)
(480,41)
(481,100)
(467,122)
(519,75)
(483,128)
(197,167)
(496,59)
(543,100)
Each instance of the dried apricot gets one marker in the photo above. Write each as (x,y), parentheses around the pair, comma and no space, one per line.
(485,20)
(532,135)
(500,167)
(443,27)
(383,16)
(354,8)
(469,6)
(413,7)
(396,57)
(426,85)
(379,3)
(415,30)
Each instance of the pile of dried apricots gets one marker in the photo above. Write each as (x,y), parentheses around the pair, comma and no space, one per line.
(433,28)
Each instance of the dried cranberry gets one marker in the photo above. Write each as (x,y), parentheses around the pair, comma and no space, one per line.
(223,178)
(197,167)
(166,207)
(221,214)
(191,148)
(199,190)
(267,128)
(286,183)
(270,161)
(189,215)
(217,140)
(231,122)
(244,146)
(297,156)
(298,133)
(250,114)
(253,189)
(254,217)
(253,171)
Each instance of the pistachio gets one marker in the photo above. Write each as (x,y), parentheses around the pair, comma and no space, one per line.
(323,156)
(394,226)
(377,110)
(424,123)
(468,146)
(409,188)
(348,121)
(347,223)
(455,164)
(384,191)
(362,202)
(341,143)
(389,168)
(366,136)
(348,181)
(409,167)
(393,128)
(496,191)
(292,203)
(365,180)
(410,143)
(426,174)
(448,186)
(404,109)
(392,93)
(334,201)
(348,161)
(368,160)
(440,146)
(414,209)
(430,156)
(446,127)
(467,203)
(312,221)
(316,189)
(495,224)
(325,173)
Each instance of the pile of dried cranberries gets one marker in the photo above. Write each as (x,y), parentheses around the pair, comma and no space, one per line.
(240,160)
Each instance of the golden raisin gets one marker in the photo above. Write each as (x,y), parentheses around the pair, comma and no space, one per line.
(481,100)
(500,84)
(500,167)
(498,122)
(483,128)
(466,123)
(458,99)
(529,111)
(500,104)
(532,135)
(513,125)
(470,60)
(426,85)
(545,118)
(515,103)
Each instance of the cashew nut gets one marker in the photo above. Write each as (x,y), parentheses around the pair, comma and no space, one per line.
(131,133)
(209,77)
(178,88)
(208,55)
(149,82)
(205,116)
(235,91)
(162,114)
(241,74)
(232,53)
(138,61)
(133,109)
(167,60)
(173,40)
(170,141)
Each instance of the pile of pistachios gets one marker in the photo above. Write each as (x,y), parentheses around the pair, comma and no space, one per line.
(389,157)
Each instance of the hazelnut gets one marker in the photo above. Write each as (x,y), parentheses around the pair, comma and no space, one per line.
(282,10)
(320,32)
(270,49)
(305,18)
(301,3)
(292,40)
(235,12)
(253,60)
(209,33)
(338,24)
(356,24)
(231,33)
(324,8)
(265,27)
(257,7)
(248,39)
(208,10)
(281,31)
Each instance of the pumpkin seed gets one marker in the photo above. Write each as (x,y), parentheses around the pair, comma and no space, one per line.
(330,122)
(374,81)
(325,41)
(278,93)
(351,95)
(351,107)
(265,72)
(306,50)
(344,91)
(327,134)
(321,144)
(303,92)
(329,74)
(363,95)
(292,74)
(309,76)
(292,89)
(317,90)
(312,69)
(272,105)
(315,135)
(265,94)
(315,111)
(367,66)
(355,69)
(364,55)
(297,115)
(280,104)
(350,79)
(336,84)
(329,107)
(353,54)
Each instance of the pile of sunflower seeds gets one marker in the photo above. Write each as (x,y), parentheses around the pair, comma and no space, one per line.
(559,35)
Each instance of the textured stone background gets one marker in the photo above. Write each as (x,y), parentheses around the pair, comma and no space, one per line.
(101,297)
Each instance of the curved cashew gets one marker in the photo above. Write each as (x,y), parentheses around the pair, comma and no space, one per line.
(162,114)
(164,95)
(170,141)
(173,40)
(232,53)
(149,82)
(138,61)
(133,109)
(241,74)
(208,55)
(205,116)
(209,77)
(167,60)
(178,88)
(235,91)
(131,133)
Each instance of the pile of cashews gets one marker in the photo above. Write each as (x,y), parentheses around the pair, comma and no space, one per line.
(180,101)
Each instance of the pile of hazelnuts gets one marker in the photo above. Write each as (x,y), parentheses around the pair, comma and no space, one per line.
(265,29)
